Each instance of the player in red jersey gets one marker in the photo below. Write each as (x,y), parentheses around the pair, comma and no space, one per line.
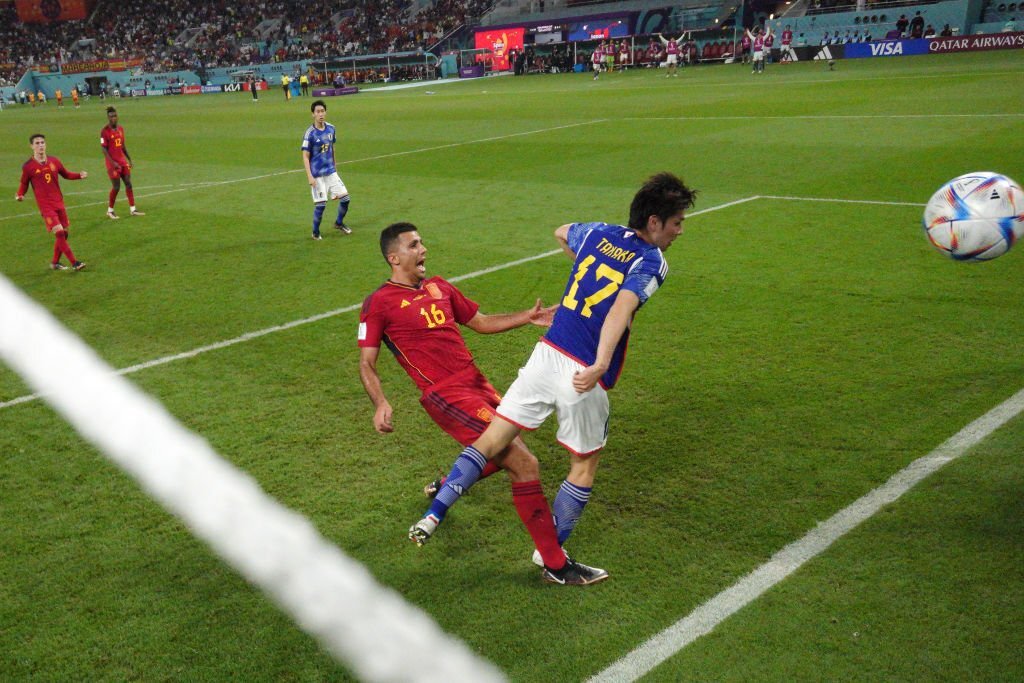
(41,172)
(418,319)
(119,164)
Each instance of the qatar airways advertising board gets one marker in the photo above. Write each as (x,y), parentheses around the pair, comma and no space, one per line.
(500,42)
(943,45)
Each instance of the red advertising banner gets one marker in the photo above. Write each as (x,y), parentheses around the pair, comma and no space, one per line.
(84,67)
(100,65)
(989,41)
(191,90)
(500,42)
(45,11)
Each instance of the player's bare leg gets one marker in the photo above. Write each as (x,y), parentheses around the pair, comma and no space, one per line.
(115,187)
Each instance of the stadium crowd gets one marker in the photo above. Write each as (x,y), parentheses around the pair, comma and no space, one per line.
(169,35)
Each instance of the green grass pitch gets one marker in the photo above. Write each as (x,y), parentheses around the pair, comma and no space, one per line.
(800,353)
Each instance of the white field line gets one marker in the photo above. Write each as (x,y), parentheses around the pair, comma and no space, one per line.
(420,150)
(327,594)
(819,117)
(786,561)
(839,201)
(249,336)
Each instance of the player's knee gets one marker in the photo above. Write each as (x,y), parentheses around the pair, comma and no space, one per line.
(521,464)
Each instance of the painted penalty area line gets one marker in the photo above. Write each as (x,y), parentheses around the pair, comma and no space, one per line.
(783,563)
(249,336)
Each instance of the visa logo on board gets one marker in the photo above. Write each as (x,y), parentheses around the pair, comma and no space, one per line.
(886,49)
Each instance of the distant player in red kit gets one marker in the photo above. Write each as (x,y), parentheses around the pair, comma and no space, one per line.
(41,172)
(119,163)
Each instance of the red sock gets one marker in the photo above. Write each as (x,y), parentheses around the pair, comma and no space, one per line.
(112,196)
(489,469)
(61,247)
(56,252)
(131,196)
(533,509)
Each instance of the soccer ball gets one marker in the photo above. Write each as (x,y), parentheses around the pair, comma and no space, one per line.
(975,217)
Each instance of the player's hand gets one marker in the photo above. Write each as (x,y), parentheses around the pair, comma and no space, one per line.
(541,316)
(586,379)
(84,174)
(382,419)
(312,181)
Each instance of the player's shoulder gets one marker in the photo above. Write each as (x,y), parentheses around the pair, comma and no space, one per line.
(310,131)
(587,227)
(375,296)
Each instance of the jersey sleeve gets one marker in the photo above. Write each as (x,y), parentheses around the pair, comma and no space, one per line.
(25,177)
(104,141)
(307,144)
(464,307)
(371,324)
(646,275)
(578,233)
(64,172)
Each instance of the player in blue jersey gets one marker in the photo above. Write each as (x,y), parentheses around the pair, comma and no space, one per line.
(616,269)
(321,171)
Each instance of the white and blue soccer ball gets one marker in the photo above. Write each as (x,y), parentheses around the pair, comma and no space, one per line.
(975,217)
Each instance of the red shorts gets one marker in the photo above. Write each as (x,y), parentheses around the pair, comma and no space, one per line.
(55,218)
(113,174)
(462,405)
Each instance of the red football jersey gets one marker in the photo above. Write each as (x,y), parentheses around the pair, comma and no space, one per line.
(43,178)
(421,327)
(113,142)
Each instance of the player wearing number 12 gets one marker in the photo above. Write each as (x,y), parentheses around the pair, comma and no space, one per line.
(119,164)
(616,270)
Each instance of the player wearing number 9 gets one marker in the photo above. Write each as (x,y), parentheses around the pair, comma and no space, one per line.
(616,269)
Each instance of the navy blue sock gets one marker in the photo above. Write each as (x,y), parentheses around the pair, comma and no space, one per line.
(342,210)
(567,508)
(318,214)
(464,474)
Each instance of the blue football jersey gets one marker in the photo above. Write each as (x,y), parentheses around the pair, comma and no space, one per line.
(608,258)
(320,145)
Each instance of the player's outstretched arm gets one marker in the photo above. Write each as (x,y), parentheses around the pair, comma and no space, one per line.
(619,317)
(371,382)
(500,322)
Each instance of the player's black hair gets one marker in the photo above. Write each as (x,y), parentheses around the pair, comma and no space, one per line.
(313,106)
(111,109)
(389,235)
(663,195)
(32,138)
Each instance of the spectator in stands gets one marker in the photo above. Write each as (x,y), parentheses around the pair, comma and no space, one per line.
(946,31)
(917,26)
(929,31)
(901,24)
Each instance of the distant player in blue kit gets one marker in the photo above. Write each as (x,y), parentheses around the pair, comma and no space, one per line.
(616,270)
(321,171)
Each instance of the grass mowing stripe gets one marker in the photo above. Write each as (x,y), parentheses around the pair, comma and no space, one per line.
(786,561)
(218,183)
(248,336)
